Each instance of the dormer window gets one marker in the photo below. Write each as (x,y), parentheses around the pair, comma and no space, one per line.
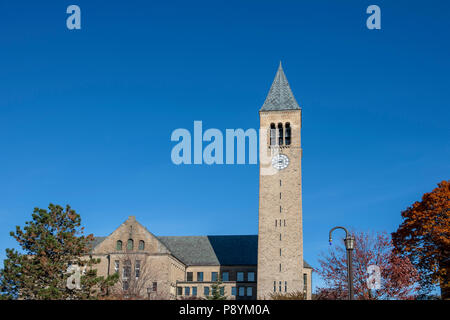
(119,245)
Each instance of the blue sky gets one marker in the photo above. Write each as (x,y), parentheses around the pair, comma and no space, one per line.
(86,116)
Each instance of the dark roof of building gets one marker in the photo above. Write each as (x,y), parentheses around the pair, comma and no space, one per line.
(215,250)
(211,250)
(97,241)
(280,95)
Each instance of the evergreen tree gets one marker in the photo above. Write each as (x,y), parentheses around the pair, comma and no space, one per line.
(50,243)
(217,291)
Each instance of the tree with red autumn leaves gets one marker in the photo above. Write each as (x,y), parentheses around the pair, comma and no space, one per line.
(398,276)
(424,237)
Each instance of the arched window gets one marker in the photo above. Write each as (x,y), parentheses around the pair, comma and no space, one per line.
(141,245)
(273,134)
(287,137)
(280,134)
(130,244)
(119,245)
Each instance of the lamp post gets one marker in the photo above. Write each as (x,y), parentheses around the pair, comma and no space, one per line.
(349,246)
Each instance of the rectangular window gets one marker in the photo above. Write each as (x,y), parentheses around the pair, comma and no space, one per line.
(189,276)
(199,276)
(284,223)
(274,286)
(125,285)
(249,291)
(194,291)
(233,291)
(214,276)
(280,183)
(285,286)
(187,291)
(241,291)
(137,268)
(280,267)
(179,291)
(276,221)
(240,276)
(126,274)
(305,283)
(116,266)
(280,252)
(251,276)
(225,276)
(206,291)
(280,195)
(155,286)
(280,209)
(222,291)
(279,287)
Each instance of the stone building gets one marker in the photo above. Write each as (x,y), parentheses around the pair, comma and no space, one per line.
(249,266)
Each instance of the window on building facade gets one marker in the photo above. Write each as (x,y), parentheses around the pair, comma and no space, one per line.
(225,276)
(206,291)
(287,139)
(249,291)
(285,286)
(137,268)
(305,283)
(155,286)
(279,287)
(222,291)
(179,291)
(126,274)
(274,286)
(199,276)
(116,266)
(280,252)
(273,134)
(141,245)
(214,276)
(241,291)
(189,276)
(187,291)
(130,244)
(119,245)
(125,286)
(233,291)
(194,291)
(240,276)
(251,276)
(280,134)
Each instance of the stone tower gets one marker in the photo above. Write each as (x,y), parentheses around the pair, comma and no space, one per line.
(280,236)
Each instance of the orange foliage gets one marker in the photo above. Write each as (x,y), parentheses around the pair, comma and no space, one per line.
(424,236)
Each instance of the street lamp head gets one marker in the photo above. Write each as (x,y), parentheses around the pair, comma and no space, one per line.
(349,243)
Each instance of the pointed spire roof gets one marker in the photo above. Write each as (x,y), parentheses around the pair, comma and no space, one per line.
(280,96)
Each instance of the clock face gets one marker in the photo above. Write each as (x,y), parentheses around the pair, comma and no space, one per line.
(280,161)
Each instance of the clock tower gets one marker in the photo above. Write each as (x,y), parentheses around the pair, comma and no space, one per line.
(280,235)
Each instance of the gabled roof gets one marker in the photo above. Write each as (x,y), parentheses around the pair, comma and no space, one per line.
(280,95)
